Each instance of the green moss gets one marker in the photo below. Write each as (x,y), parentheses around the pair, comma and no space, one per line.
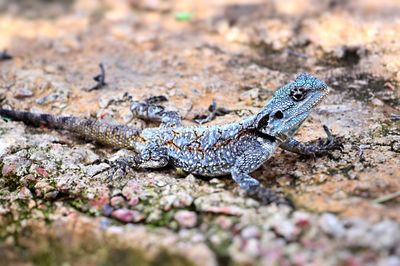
(2,131)
(79,204)
(47,257)
(124,256)
(49,249)
(47,208)
(165,219)
(13,221)
(11,182)
(166,259)
(225,240)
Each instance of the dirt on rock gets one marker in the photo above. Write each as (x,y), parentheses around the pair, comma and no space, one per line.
(57,202)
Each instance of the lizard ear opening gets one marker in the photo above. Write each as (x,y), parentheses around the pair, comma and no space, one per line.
(263,121)
(278,114)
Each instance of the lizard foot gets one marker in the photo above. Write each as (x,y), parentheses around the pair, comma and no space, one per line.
(268,196)
(148,106)
(213,112)
(156,99)
(118,167)
(331,143)
(121,166)
(100,79)
(149,109)
(324,146)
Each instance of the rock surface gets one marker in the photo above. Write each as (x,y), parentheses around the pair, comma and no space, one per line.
(57,204)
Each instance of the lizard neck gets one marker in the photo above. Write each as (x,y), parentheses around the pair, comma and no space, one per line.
(250,124)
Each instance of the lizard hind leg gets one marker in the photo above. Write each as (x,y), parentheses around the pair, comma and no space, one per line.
(149,110)
(152,157)
(130,160)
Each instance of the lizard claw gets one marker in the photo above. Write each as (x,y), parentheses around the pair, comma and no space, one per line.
(118,168)
(324,146)
(213,112)
(331,142)
(121,163)
(268,196)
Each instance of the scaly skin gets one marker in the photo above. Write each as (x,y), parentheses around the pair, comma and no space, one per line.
(236,148)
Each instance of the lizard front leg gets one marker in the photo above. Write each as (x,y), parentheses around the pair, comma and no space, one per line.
(320,148)
(253,157)
(149,110)
(244,180)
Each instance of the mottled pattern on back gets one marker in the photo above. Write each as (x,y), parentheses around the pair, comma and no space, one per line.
(206,150)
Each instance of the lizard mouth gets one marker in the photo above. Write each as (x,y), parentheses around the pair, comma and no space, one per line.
(268,136)
(324,91)
(313,101)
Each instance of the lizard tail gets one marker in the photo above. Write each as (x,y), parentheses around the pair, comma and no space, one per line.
(120,136)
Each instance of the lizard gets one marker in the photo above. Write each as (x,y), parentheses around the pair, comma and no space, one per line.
(236,148)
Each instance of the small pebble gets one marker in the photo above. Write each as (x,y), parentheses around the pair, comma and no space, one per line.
(94,169)
(396,146)
(24,193)
(127,215)
(134,201)
(330,224)
(186,218)
(117,201)
(8,170)
(250,232)
(107,210)
(301,219)
(377,102)
(23,93)
(225,222)
(51,195)
(252,247)
(287,229)
(182,200)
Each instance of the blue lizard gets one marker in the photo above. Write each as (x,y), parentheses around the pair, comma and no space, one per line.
(236,148)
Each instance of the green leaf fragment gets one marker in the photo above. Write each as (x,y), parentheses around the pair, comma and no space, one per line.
(183,16)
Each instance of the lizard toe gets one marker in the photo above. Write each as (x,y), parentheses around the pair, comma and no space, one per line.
(268,196)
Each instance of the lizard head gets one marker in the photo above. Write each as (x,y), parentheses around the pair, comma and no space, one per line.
(290,106)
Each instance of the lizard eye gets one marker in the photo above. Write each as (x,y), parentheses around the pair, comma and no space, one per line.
(298,93)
